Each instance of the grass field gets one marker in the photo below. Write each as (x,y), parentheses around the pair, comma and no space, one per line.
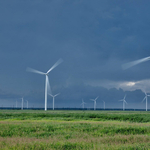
(64,130)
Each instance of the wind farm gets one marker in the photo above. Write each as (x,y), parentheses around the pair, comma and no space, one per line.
(87,122)
(48,91)
(74,75)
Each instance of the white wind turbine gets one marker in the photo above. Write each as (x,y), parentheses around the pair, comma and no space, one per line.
(104,104)
(54,98)
(83,103)
(47,86)
(22,103)
(145,98)
(16,103)
(27,104)
(95,102)
(124,101)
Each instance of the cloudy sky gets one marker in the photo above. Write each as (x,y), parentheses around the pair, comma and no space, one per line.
(94,38)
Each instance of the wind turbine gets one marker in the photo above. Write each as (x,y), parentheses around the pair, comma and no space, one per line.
(145,98)
(27,104)
(16,103)
(104,104)
(83,103)
(22,103)
(124,101)
(47,85)
(54,98)
(133,63)
(95,102)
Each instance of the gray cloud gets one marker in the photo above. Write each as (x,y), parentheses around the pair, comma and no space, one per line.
(94,38)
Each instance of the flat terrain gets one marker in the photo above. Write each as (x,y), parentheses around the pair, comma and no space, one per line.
(78,130)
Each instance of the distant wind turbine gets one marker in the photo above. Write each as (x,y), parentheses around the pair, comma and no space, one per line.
(145,98)
(104,104)
(16,103)
(133,63)
(47,85)
(95,102)
(124,101)
(83,103)
(22,103)
(27,104)
(54,98)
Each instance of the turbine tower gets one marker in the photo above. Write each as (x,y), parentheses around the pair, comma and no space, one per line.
(83,103)
(145,98)
(95,102)
(54,98)
(47,85)
(124,101)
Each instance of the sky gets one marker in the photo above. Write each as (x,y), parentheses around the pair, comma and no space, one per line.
(94,38)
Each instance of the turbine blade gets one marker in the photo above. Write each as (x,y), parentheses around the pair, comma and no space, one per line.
(124,96)
(125,101)
(121,100)
(133,63)
(50,94)
(48,85)
(56,94)
(55,65)
(34,71)
(143,99)
(96,98)
(92,99)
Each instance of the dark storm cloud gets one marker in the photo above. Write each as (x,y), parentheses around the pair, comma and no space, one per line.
(94,38)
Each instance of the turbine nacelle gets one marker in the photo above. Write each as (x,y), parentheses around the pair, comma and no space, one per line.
(53,95)
(94,99)
(123,100)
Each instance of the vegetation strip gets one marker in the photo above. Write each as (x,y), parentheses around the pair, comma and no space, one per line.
(80,132)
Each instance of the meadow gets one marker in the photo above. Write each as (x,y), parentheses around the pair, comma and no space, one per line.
(74,130)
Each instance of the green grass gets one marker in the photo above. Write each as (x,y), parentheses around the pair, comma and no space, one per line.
(74,130)
(76,115)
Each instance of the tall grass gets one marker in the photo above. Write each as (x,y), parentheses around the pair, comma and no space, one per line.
(66,130)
